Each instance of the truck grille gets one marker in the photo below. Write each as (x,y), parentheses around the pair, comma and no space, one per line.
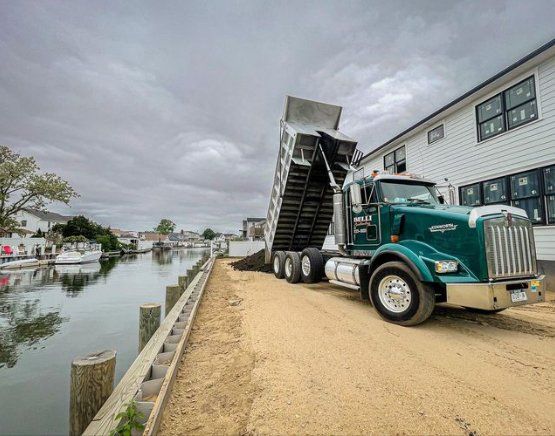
(510,248)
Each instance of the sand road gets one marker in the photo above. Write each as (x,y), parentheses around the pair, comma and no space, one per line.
(268,357)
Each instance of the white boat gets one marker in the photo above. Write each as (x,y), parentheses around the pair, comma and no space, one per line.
(21,263)
(74,257)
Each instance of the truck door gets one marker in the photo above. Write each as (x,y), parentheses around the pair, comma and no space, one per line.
(366,224)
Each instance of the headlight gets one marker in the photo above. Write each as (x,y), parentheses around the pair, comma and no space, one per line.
(446,266)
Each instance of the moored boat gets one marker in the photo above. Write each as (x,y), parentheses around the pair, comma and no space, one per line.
(83,254)
(20,263)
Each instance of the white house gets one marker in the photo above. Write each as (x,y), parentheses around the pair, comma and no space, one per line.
(32,220)
(495,144)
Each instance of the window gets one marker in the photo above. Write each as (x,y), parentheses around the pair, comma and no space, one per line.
(533,191)
(509,109)
(369,194)
(436,134)
(470,195)
(23,223)
(549,189)
(525,193)
(495,191)
(396,161)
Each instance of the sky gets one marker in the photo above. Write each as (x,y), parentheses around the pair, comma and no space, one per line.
(171,109)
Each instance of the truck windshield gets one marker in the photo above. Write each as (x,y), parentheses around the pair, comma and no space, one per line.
(408,193)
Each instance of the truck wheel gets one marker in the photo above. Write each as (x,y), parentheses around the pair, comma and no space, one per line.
(312,265)
(398,295)
(278,264)
(292,267)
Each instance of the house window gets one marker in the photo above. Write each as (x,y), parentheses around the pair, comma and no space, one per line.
(470,195)
(396,161)
(509,109)
(549,189)
(436,134)
(525,193)
(495,191)
(23,223)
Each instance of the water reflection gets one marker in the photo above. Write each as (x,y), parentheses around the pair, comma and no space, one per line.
(162,257)
(74,278)
(23,324)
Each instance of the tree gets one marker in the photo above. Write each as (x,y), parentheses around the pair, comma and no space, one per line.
(82,226)
(22,185)
(209,234)
(165,227)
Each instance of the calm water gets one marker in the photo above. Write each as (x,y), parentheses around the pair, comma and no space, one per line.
(48,316)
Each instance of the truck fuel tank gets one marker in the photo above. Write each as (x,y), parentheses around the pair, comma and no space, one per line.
(344,270)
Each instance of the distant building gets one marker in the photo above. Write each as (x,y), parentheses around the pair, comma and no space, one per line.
(253,228)
(153,236)
(32,220)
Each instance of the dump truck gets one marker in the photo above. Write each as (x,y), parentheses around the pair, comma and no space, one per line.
(397,241)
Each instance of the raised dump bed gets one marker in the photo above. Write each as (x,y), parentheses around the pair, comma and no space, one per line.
(301,202)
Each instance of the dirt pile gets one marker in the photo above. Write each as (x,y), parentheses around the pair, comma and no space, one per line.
(254,262)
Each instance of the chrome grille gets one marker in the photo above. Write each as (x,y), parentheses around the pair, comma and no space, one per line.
(510,249)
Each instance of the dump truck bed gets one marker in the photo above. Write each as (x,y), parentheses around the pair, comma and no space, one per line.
(301,206)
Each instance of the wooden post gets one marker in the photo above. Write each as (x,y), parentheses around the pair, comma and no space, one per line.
(190,274)
(92,382)
(149,321)
(182,281)
(172,295)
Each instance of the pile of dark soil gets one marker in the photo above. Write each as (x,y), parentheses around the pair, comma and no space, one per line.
(254,262)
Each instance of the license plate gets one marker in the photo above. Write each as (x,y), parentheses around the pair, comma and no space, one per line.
(517,296)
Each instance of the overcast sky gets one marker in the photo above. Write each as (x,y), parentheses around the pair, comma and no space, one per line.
(171,109)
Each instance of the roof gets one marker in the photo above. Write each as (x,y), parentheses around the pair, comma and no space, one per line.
(430,118)
(48,216)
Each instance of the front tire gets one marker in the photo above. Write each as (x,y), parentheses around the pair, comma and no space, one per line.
(292,267)
(312,265)
(278,264)
(399,296)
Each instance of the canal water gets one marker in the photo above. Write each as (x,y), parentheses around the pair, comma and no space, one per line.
(50,315)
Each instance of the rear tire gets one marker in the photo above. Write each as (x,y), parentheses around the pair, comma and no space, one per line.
(399,296)
(292,267)
(278,264)
(312,265)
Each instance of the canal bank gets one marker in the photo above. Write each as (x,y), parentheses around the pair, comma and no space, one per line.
(269,357)
(51,315)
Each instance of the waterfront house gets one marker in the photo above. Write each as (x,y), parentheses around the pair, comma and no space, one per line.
(32,220)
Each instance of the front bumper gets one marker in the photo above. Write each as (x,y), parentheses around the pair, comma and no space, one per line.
(496,295)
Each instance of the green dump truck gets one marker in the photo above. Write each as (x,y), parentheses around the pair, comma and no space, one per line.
(397,241)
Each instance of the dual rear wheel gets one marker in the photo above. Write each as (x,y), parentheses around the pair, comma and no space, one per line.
(307,266)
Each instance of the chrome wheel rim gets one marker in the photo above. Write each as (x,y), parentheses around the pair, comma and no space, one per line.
(288,267)
(395,294)
(276,264)
(305,265)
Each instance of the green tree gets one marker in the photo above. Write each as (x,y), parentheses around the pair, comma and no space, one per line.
(165,227)
(82,226)
(209,234)
(23,185)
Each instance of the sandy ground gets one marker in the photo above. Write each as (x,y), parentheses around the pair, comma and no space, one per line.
(267,357)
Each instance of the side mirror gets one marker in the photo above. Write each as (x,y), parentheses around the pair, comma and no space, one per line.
(356,197)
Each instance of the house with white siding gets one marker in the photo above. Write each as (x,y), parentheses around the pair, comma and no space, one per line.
(493,145)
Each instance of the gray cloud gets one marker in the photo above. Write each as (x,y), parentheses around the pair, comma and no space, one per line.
(171,109)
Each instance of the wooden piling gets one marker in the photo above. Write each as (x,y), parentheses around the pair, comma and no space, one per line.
(92,382)
(173,293)
(149,321)
(183,282)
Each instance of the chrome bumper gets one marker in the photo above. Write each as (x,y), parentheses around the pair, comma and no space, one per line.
(495,295)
